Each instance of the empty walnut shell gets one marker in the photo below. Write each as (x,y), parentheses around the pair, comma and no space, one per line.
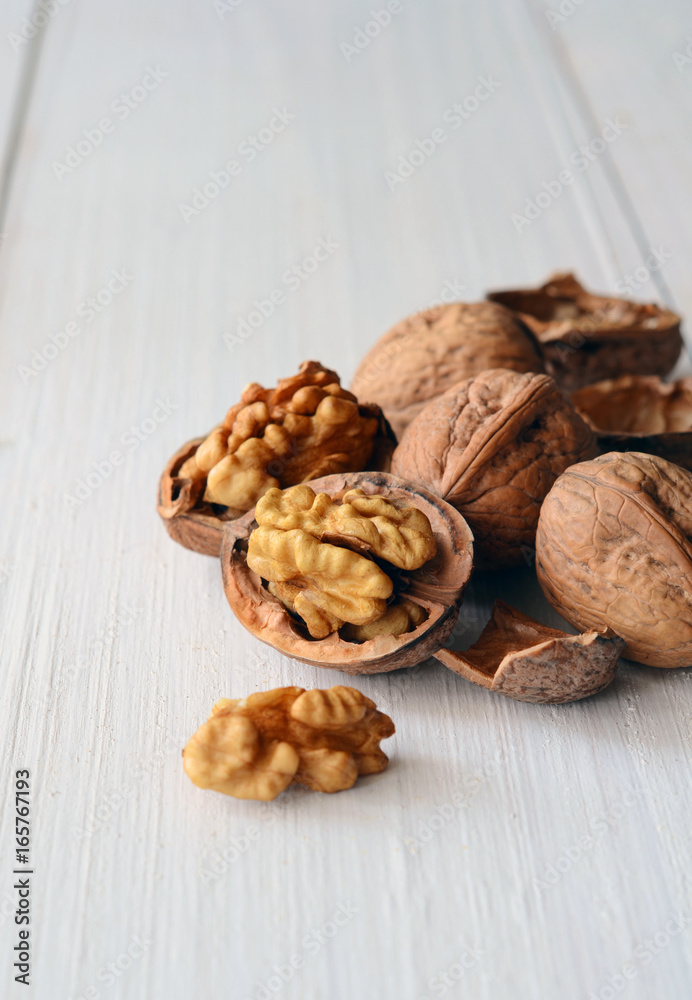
(195,522)
(493,446)
(585,337)
(614,550)
(640,413)
(437,586)
(522,659)
(427,353)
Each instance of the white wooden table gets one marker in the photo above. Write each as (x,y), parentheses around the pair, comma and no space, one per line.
(510,851)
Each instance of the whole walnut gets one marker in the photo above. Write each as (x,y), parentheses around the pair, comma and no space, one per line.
(614,549)
(427,353)
(492,447)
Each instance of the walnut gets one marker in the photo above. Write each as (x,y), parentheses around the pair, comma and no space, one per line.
(400,617)
(353,560)
(329,584)
(522,659)
(424,355)
(640,413)
(585,337)
(256,747)
(493,446)
(614,549)
(306,427)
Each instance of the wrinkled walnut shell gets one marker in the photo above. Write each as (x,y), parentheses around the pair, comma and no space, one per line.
(427,353)
(522,659)
(640,413)
(614,550)
(493,446)
(586,338)
(438,586)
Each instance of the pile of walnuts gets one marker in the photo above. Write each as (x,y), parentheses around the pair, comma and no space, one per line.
(531,429)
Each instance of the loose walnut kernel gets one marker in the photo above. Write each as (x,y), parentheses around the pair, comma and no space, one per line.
(256,747)
(328,584)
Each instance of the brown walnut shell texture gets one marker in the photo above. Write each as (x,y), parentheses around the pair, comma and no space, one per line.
(437,586)
(614,549)
(522,659)
(427,353)
(640,413)
(492,447)
(198,525)
(586,338)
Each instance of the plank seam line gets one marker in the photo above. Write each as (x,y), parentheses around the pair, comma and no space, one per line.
(27,79)
(564,68)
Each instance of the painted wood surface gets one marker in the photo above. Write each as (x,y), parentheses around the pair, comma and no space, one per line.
(509,851)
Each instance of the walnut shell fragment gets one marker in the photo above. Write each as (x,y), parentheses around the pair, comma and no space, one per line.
(436,587)
(307,426)
(522,659)
(427,353)
(586,338)
(255,747)
(640,413)
(614,550)
(493,446)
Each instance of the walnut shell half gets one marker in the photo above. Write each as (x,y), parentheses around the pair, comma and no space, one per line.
(524,660)
(640,413)
(437,586)
(614,550)
(493,446)
(585,337)
(306,426)
(427,353)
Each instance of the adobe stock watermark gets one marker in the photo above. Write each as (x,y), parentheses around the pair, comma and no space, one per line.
(122,107)
(97,643)
(311,944)
(445,813)
(131,439)
(112,802)
(363,37)
(631,283)
(683,59)
(564,11)
(219,862)
(446,979)
(643,955)
(223,7)
(248,150)
(454,116)
(109,974)
(582,158)
(32,25)
(291,280)
(87,310)
(588,325)
(599,826)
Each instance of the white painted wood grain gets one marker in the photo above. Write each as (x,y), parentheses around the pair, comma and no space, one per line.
(116,642)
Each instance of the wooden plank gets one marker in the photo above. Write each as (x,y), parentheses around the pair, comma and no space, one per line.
(116,642)
(20,45)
